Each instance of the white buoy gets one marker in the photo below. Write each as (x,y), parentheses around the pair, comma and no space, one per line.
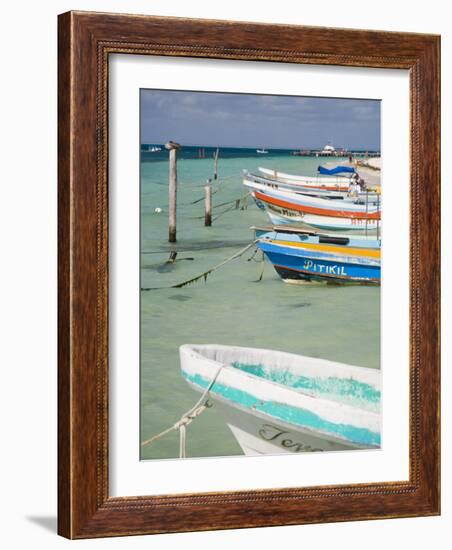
(158,210)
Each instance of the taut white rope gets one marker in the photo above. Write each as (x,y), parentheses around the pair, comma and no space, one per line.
(199,407)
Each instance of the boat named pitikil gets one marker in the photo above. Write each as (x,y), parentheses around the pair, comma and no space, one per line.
(303,256)
(276,402)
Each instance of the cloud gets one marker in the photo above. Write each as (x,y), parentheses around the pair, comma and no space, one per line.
(246,120)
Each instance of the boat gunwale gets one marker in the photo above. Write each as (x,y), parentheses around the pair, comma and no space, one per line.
(311,232)
(373,245)
(348,409)
(319,256)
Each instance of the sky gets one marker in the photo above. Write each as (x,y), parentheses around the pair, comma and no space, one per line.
(251,120)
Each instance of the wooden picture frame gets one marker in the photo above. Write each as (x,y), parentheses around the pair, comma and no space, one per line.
(86,40)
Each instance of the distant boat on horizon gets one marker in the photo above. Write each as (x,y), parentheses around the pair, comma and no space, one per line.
(262,151)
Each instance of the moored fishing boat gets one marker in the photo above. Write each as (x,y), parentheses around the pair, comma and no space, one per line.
(254,182)
(300,256)
(341,215)
(276,402)
(359,207)
(333,183)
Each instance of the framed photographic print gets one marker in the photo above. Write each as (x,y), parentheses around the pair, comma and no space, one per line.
(248,275)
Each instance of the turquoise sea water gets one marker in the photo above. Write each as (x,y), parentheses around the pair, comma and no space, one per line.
(340,323)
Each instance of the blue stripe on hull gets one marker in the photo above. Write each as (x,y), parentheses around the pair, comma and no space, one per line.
(302,418)
(306,265)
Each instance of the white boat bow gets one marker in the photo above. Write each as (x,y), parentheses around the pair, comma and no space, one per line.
(276,402)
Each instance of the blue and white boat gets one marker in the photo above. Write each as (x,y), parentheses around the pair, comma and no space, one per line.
(276,402)
(339,180)
(301,257)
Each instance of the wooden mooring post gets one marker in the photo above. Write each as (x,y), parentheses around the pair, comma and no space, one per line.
(208,206)
(172,189)
(215,157)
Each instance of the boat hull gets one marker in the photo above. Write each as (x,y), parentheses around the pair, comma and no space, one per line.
(332,182)
(269,401)
(284,216)
(307,265)
(323,191)
(321,206)
(258,435)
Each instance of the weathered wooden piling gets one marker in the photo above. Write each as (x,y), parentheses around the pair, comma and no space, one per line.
(208,206)
(215,157)
(172,189)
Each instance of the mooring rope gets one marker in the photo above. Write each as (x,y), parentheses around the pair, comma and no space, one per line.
(205,274)
(200,198)
(235,205)
(194,187)
(191,184)
(224,212)
(263,268)
(214,181)
(233,201)
(199,407)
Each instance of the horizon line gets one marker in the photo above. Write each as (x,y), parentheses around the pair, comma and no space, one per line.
(297,148)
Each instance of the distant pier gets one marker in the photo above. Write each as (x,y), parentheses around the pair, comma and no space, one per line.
(337,153)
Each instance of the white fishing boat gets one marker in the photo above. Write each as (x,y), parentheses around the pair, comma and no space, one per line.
(331,183)
(260,183)
(276,402)
(328,215)
(262,151)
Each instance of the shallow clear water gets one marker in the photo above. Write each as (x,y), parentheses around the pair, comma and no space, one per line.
(340,323)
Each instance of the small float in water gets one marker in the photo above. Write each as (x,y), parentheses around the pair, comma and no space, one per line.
(276,402)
